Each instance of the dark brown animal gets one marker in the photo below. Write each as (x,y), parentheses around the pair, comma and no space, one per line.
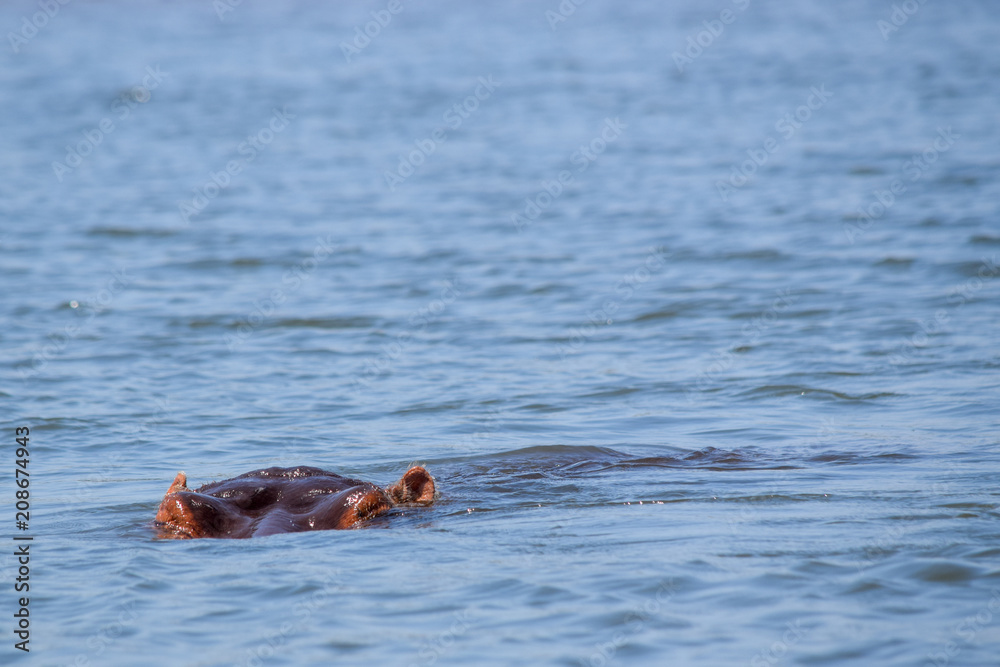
(283,500)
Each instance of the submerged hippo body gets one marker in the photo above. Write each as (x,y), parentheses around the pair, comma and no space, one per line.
(283,500)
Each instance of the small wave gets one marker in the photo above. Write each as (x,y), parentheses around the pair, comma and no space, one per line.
(984,239)
(572,461)
(780,390)
(970,269)
(324,323)
(943,572)
(130,232)
(854,458)
(766,254)
(898,262)
(662,314)
(213,263)
(865,170)
(422,408)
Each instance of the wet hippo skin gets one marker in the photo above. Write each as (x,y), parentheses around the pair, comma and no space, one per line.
(283,500)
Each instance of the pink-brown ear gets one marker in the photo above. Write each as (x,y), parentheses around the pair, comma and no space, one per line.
(174,515)
(179,484)
(416,488)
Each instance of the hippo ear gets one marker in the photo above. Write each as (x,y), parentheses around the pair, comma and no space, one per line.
(416,487)
(179,484)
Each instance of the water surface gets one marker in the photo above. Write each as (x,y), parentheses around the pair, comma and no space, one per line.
(689,394)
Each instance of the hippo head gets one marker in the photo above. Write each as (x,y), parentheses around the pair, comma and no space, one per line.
(283,500)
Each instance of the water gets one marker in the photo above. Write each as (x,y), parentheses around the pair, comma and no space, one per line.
(675,416)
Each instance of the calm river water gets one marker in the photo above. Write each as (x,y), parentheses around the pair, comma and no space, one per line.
(691,309)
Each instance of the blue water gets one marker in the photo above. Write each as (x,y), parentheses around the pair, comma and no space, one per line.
(690,308)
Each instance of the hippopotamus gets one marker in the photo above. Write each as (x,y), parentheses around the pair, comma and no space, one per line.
(283,500)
